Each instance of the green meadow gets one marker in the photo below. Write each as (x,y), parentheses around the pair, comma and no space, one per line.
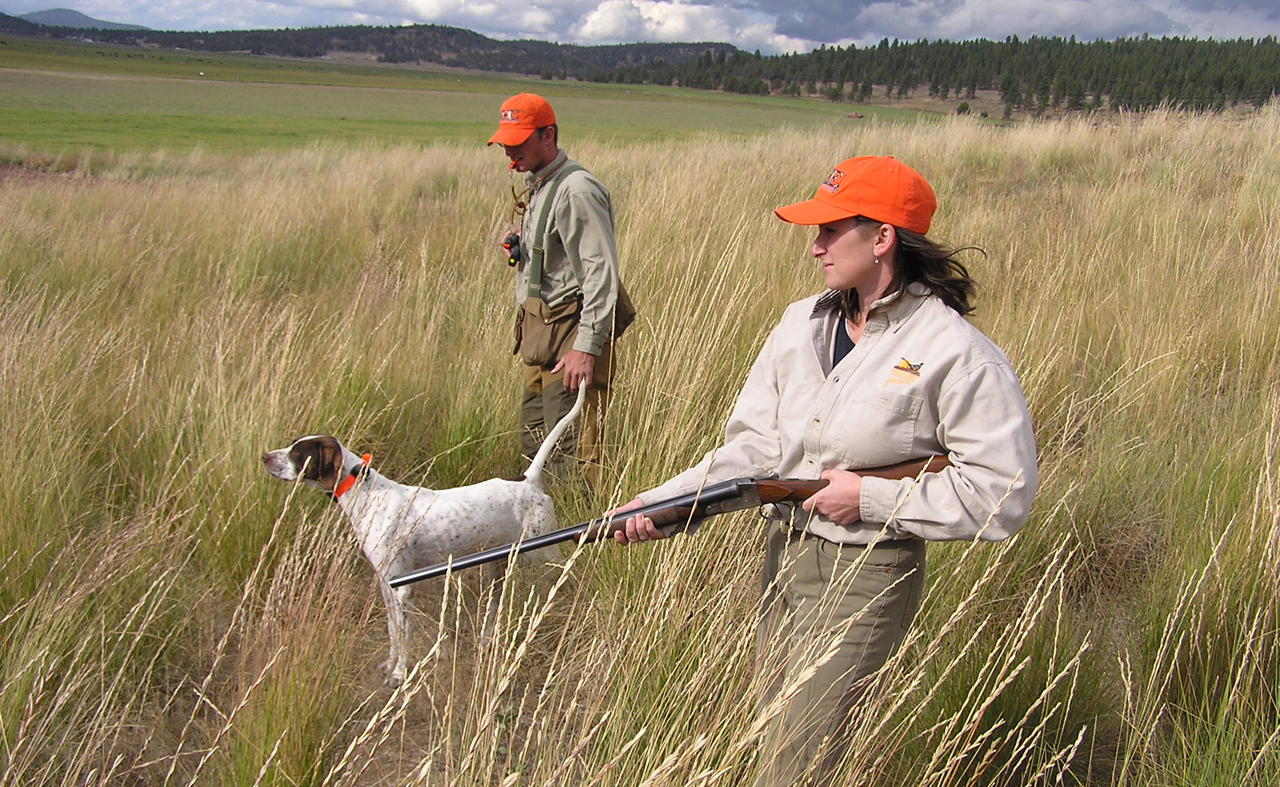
(66,97)
(193,272)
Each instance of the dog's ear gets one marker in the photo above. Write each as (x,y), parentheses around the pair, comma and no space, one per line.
(320,459)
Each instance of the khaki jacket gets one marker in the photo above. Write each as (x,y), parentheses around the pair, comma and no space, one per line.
(921,381)
(581,252)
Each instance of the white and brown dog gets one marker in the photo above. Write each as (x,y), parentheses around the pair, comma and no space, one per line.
(402,528)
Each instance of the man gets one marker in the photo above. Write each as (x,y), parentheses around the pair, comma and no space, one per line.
(567,285)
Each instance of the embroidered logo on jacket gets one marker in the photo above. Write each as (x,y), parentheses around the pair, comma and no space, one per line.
(832,183)
(905,373)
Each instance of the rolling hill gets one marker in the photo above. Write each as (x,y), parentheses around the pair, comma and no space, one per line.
(65,17)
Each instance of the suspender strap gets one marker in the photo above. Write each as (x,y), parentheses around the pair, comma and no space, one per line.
(537,251)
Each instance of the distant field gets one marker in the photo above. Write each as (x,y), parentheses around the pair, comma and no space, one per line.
(59,97)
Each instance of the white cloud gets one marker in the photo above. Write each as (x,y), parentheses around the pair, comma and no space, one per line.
(764,36)
(612,20)
(617,21)
(1240,23)
(681,22)
(538,19)
(996,19)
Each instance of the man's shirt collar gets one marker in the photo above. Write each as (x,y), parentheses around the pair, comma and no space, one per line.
(536,178)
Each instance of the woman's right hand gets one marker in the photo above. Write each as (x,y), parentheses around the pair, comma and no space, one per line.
(636,528)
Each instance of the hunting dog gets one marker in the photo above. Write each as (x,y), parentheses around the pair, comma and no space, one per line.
(402,528)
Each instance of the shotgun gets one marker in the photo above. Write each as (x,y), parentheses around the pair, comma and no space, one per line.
(676,512)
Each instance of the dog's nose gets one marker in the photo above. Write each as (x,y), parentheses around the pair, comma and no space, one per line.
(266,457)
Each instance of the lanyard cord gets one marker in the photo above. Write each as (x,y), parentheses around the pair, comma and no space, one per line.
(518,202)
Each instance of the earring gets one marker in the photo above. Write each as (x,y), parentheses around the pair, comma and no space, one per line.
(877,260)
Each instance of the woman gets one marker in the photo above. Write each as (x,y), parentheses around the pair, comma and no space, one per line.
(880,369)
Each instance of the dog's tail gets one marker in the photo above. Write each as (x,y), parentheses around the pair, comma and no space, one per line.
(534,474)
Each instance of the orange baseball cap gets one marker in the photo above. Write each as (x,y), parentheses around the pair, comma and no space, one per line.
(519,116)
(878,187)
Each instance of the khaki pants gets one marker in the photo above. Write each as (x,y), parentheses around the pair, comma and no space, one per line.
(545,402)
(813,589)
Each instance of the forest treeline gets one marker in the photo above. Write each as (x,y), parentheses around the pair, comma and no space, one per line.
(1036,74)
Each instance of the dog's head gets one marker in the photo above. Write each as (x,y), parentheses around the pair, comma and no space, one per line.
(318,460)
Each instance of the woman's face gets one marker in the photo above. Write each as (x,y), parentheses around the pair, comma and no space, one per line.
(848,250)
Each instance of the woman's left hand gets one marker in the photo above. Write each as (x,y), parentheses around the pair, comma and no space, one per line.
(840,500)
(636,528)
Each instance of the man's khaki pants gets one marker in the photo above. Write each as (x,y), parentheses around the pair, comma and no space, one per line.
(816,591)
(545,402)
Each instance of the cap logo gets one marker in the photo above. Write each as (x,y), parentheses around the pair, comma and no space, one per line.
(509,116)
(832,183)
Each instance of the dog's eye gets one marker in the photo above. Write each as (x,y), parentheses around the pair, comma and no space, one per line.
(300,461)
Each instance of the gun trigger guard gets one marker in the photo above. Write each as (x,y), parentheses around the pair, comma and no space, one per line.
(776,514)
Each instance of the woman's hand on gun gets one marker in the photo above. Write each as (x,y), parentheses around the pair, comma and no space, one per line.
(840,500)
(636,528)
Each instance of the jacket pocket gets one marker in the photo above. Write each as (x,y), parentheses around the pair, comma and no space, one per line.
(877,430)
(544,333)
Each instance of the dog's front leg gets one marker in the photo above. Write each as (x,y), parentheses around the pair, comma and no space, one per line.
(397,631)
(493,576)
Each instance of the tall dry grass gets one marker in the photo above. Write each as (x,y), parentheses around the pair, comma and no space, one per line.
(170,615)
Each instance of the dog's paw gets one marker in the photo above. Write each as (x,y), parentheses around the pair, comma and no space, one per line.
(395,672)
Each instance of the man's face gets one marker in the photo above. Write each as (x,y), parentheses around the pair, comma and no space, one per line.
(534,153)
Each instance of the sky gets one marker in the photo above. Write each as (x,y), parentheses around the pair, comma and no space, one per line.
(772,26)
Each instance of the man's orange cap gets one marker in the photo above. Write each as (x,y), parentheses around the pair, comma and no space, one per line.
(877,187)
(519,116)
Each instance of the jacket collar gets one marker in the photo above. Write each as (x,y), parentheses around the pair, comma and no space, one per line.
(898,313)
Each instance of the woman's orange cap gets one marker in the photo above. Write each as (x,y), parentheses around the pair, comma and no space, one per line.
(877,187)
(519,116)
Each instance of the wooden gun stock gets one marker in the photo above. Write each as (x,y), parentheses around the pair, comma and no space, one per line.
(795,490)
(721,498)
